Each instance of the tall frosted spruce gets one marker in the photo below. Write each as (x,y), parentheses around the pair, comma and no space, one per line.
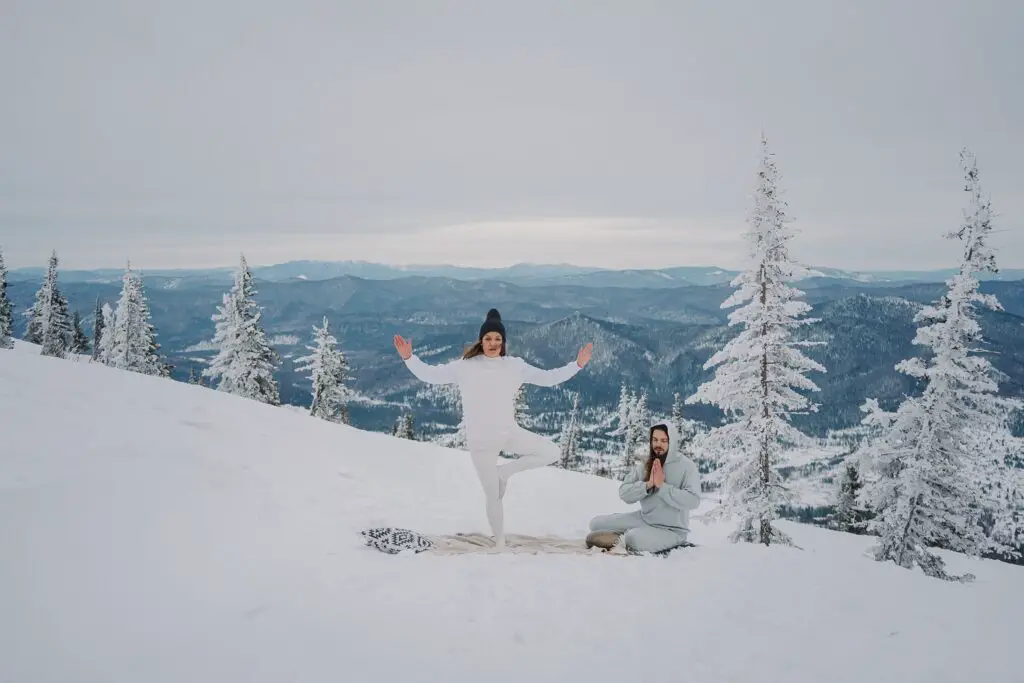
(97,329)
(639,422)
(569,441)
(850,514)
(686,429)
(933,470)
(677,413)
(6,310)
(328,371)
(759,372)
(623,427)
(49,325)
(79,340)
(520,406)
(245,362)
(632,422)
(132,345)
(404,427)
(106,342)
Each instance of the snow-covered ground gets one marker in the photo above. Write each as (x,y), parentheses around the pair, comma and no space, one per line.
(158,531)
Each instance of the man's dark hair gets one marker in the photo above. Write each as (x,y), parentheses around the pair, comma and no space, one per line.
(661,427)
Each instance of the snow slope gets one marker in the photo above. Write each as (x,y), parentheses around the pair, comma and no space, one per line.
(157,531)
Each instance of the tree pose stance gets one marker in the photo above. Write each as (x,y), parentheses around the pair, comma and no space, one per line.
(488,380)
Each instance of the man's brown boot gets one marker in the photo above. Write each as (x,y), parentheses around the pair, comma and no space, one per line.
(603,539)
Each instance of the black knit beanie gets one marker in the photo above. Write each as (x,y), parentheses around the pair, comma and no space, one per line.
(492,324)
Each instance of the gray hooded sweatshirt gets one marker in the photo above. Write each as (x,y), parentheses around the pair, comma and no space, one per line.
(669,506)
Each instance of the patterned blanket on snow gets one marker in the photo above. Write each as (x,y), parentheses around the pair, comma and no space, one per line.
(393,540)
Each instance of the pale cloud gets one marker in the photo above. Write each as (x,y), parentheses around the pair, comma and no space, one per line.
(182,133)
(600,242)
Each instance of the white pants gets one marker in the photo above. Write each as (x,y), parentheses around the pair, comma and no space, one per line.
(533,450)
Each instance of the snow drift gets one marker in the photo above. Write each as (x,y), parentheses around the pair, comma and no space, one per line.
(158,531)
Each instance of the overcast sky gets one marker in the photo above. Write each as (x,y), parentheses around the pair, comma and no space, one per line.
(181,133)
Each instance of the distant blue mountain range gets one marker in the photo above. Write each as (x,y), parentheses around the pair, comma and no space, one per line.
(523,274)
(653,329)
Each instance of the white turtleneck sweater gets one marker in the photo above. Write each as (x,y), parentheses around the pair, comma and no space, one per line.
(488,387)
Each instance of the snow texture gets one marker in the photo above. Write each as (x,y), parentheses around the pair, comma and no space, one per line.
(759,372)
(229,550)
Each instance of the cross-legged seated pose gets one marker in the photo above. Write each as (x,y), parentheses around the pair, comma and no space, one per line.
(488,380)
(667,486)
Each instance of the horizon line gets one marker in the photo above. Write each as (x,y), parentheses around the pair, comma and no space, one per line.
(520,264)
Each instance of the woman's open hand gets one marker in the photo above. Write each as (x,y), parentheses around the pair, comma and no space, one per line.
(583,357)
(404,347)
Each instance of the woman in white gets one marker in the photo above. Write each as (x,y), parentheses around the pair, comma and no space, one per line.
(488,380)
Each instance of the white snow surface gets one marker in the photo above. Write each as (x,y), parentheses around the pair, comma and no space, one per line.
(152,530)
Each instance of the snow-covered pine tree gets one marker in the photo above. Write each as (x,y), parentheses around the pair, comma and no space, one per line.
(329,372)
(569,441)
(639,422)
(1007,530)
(228,339)
(1002,518)
(49,325)
(759,370)
(34,326)
(79,340)
(677,412)
(6,310)
(57,342)
(106,343)
(97,329)
(632,419)
(195,377)
(520,406)
(633,426)
(404,427)
(44,297)
(245,362)
(850,515)
(133,337)
(930,469)
(164,369)
(686,429)
(459,439)
(623,427)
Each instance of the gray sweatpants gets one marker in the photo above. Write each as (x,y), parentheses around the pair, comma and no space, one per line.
(638,536)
